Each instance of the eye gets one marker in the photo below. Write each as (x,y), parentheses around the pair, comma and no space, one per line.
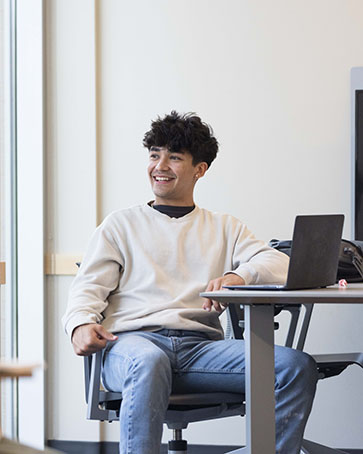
(175,158)
(153,156)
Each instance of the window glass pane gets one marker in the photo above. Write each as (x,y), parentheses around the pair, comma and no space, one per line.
(7,238)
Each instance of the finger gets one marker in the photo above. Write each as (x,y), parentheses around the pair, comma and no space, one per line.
(87,351)
(210,286)
(97,343)
(93,346)
(102,333)
(217,306)
(92,342)
(207,305)
(218,284)
(213,285)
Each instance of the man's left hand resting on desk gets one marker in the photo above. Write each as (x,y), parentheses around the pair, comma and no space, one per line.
(217,284)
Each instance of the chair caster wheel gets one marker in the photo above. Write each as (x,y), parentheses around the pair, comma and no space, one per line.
(177,447)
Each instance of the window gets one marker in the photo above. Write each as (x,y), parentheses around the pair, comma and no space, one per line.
(21,205)
(8,292)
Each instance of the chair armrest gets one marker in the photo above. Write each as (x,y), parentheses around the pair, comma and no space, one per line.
(333,364)
(87,362)
(93,365)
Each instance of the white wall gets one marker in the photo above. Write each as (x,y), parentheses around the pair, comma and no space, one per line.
(70,196)
(272,78)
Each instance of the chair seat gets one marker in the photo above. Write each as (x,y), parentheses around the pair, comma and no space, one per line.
(108,396)
(184,399)
(186,408)
(206,398)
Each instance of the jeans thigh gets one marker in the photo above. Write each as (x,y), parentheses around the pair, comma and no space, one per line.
(210,366)
(144,349)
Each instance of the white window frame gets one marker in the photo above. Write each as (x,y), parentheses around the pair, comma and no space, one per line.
(30,177)
(8,388)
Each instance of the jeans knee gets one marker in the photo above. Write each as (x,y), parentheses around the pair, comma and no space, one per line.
(308,370)
(134,362)
(297,367)
(153,365)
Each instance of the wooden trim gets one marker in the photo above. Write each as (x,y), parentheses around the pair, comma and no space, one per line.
(61,265)
(16,369)
(2,273)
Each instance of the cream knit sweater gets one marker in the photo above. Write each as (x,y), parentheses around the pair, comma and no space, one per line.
(144,270)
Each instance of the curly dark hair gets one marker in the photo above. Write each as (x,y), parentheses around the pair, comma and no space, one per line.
(180,132)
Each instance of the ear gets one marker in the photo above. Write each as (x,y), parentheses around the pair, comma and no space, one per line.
(200,169)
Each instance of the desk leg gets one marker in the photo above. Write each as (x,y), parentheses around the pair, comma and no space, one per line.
(260,379)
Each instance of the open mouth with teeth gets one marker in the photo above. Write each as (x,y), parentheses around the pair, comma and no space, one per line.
(161,179)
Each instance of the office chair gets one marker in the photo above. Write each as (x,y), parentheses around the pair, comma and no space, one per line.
(183,409)
(104,405)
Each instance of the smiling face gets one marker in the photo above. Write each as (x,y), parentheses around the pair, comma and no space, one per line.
(173,176)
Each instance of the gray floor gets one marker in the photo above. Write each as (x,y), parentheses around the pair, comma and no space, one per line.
(79,447)
(83,447)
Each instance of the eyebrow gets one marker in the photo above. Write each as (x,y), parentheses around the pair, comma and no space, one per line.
(155,148)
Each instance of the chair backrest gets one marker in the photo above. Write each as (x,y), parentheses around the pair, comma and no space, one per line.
(300,316)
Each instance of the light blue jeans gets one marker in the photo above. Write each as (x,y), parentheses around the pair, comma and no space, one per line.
(147,367)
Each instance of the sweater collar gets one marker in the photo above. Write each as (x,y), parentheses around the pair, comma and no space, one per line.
(173,212)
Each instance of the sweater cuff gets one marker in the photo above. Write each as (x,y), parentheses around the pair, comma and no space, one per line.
(246,272)
(78,320)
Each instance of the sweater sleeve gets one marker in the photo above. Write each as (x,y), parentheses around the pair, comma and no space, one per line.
(97,277)
(256,262)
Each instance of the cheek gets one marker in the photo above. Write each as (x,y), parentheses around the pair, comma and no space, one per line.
(150,168)
(187,177)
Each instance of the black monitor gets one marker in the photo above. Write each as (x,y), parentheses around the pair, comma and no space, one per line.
(358,190)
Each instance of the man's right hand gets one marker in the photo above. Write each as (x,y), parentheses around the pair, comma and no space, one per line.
(90,338)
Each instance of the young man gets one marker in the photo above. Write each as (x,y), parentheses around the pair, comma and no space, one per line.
(137,294)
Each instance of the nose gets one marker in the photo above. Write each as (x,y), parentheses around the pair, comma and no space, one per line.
(163,163)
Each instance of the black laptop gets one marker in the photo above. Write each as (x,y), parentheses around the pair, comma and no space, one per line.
(314,254)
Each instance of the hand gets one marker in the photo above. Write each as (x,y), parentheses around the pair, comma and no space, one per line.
(217,284)
(90,338)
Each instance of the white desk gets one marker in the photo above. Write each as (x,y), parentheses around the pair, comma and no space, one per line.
(259,340)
